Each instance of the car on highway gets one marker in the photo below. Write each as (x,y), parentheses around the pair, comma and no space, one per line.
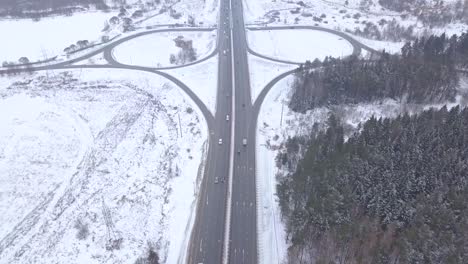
(224,52)
(220,141)
(216,180)
(244,142)
(227,117)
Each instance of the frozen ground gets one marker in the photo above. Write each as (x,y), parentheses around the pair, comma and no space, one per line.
(92,156)
(389,46)
(334,14)
(49,36)
(262,71)
(298,45)
(202,79)
(203,11)
(154,50)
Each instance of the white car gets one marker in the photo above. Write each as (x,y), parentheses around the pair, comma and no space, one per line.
(220,141)
(224,52)
(227,117)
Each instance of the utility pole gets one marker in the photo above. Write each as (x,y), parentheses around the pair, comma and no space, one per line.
(281,120)
(180,126)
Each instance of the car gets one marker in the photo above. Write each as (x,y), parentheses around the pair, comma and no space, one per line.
(244,142)
(220,141)
(227,117)
(216,180)
(224,52)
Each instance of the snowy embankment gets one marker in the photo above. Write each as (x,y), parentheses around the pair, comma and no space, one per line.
(155,50)
(97,167)
(48,37)
(298,45)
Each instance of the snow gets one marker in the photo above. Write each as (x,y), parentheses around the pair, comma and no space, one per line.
(74,144)
(204,12)
(262,71)
(49,36)
(202,79)
(389,46)
(298,45)
(336,16)
(154,50)
(271,230)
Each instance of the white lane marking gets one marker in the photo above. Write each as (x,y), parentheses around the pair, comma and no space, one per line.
(227,224)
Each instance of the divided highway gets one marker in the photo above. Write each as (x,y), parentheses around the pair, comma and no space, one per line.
(233,77)
(207,238)
(225,228)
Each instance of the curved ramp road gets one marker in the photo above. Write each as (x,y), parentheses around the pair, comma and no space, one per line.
(356,44)
(225,228)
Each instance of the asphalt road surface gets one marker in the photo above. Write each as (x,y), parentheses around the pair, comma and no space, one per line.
(233,114)
(208,232)
(243,228)
(207,238)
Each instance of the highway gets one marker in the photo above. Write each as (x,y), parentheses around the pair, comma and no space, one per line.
(207,238)
(225,227)
(243,226)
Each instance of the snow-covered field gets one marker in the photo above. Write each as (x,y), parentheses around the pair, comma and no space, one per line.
(94,155)
(202,79)
(49,36)
(203,11)
(154,50)
(388,46)
(334,14)
(262,71)
(298,45)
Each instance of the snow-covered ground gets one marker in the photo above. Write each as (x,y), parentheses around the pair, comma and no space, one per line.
(203,11)
(334,14)
(388,46)
(202,79)
(93,155)
(262,71)
(154,50)
(49,36)
(298,45)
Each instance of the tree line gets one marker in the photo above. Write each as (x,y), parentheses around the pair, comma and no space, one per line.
(395,192)
(424,72)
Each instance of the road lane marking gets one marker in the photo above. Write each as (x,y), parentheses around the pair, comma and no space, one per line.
(227,224)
